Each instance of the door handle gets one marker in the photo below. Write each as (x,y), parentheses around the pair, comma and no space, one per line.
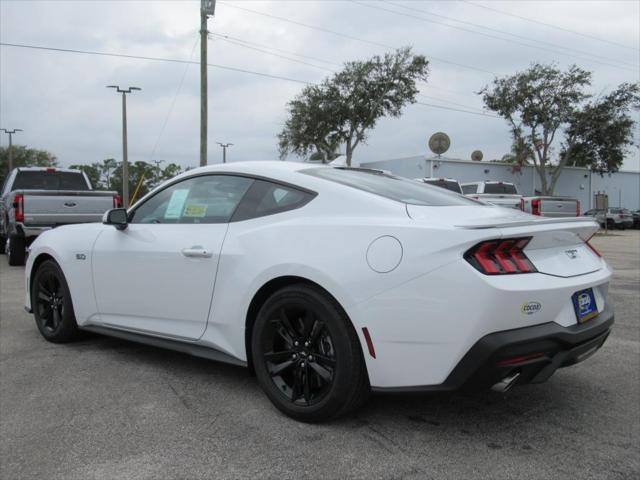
(196,252)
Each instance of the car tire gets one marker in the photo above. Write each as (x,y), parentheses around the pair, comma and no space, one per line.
(52,305)
(3,243)
(16,250)
(307,356)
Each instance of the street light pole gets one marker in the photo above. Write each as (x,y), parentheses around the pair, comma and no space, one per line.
(224,150)
(10,133)
(125,155)
(207,9)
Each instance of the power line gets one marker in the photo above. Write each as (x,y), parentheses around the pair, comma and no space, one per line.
(377,7)
(156,59)
(286,52)
(257,49)
(451,102)
(187,62)
(503,32)
(509,14)
(457,110)
(295,60)
(173,103)
(351,37)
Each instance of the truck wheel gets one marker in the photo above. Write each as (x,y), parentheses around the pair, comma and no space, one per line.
(16,250)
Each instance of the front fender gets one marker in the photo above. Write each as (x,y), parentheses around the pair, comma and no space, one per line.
(71,247)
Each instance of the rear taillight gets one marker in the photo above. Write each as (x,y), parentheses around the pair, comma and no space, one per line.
(117,201)
(577,208)
(498,257)
(535,206)
(18,207)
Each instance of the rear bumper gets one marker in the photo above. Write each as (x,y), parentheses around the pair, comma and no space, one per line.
(534,352)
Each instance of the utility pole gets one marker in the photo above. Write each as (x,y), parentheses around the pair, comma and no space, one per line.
(158,162)
(10,133)
(125,155)
(207,9)
(224,150)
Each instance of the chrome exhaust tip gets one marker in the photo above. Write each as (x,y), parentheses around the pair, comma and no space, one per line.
(506,383)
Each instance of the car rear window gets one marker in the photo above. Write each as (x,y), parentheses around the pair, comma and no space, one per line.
(54,180)
(506,188)
(467,189)
(448,184)
(390,186)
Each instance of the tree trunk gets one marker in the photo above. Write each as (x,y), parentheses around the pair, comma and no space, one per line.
(349,152)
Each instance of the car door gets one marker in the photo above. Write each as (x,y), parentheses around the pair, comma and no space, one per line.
(157,275)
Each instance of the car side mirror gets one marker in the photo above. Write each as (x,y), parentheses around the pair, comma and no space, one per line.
(116,217)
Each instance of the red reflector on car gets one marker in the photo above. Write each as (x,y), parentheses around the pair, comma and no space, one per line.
(519,358)
(496,257)
(367,337)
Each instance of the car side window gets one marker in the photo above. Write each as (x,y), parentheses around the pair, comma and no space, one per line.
(201,199)
(268,198)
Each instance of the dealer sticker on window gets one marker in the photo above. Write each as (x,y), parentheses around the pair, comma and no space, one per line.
(195,210)
(176,202)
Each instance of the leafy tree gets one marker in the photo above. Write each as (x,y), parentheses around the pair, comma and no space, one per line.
(93,172)
(170,171)
(106,170)
(543,104)
(345,106)
(598,135)
(25,157)
(145,174)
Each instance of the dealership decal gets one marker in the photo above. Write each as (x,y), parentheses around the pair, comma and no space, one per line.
(530,308)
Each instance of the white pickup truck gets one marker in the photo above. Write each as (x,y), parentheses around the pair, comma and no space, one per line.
(36,199)
(502,194)
(556,207)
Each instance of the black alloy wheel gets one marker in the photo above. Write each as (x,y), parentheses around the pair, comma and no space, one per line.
(50,301)
(299,354)
(51,304)
(307,356)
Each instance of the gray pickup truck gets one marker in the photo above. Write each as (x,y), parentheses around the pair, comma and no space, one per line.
(36,199)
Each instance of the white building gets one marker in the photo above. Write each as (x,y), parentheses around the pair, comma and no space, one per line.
(622,187)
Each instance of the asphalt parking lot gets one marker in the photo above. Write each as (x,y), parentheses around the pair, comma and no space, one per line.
(106,408)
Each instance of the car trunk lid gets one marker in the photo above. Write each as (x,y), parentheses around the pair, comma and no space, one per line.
(557,247)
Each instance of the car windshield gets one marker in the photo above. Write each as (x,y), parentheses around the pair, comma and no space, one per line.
(390,186)
(506,188)
(49,180)
(448,184)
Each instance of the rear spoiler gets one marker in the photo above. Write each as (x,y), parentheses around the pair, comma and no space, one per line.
(533,221)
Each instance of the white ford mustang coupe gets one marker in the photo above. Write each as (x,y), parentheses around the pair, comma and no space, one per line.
(330,283)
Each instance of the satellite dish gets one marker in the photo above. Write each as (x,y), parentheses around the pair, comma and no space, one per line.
(439,143)
(476,156)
